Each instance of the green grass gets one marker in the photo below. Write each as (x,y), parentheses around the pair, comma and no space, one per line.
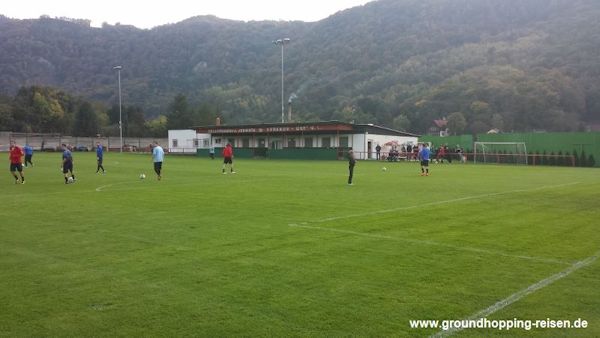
(286,248)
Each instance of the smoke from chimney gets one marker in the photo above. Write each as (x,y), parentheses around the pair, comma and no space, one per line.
(292,98)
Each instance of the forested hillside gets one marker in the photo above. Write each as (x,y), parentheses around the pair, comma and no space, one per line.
(508,64)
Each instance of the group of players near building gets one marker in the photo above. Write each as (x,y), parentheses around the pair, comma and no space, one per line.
(21,157)
(17,163)
(424,155)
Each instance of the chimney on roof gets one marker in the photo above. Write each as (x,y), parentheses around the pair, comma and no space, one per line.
(218,121)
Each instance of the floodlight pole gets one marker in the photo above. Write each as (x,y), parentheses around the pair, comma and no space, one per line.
(118,68)
(282,42)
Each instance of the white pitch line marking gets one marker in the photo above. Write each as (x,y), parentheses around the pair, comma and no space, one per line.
(385,211)
(432,243)
(522,293)
(100,188)
(416,241)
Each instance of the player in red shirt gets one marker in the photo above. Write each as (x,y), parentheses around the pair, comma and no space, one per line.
(16,161)
(228,158)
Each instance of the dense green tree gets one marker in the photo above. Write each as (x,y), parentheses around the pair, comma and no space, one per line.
(114,115)
(38,109)
(180,116)
(86,121)
(401,122)
(456,123)
(157,127)
(205,115)
(531,62)
(6,113)
(133,121)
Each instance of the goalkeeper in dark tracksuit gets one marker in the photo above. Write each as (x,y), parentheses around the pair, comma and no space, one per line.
(351,164)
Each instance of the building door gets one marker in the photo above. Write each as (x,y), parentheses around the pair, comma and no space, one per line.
(343,141)
(275,144)
(370,149)
(308,142)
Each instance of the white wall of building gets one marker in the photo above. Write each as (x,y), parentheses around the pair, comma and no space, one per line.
(360,144)
(204,141)
(188,141)
(183,141)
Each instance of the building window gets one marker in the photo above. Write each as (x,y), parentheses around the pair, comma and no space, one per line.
(261,143)
(231,141)
(217,141)
(291,142)
(206,143)
(344,142)
(308,142)
(174,143)
(196,143)
(246,143)
(326,142)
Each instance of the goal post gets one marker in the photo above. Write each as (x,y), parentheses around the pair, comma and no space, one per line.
(500,152)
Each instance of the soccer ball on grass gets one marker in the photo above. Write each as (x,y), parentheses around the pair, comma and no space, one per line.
(142,176)
(384,169)
(70,179)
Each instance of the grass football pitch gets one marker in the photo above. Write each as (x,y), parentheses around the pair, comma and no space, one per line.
(287,248)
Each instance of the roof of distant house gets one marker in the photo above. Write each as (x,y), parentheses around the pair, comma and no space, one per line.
(441,123)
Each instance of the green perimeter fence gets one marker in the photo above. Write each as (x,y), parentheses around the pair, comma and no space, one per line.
(585,147)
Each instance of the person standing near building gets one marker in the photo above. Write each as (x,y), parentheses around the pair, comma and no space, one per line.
(99,157)
(351,164)
(16,156)
(441,154)
(459,152)
(158,156)
(378,151)
(67,164)
(424,155)
(228,158)
(28,154)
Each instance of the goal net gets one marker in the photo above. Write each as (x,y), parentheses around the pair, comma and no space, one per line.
(500,152)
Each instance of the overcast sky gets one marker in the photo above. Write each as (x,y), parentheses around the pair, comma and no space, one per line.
(151,13)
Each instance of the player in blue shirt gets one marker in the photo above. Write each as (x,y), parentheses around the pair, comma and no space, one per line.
(67,163)
(28,154)
(158,155)
(99,157)
(424,155)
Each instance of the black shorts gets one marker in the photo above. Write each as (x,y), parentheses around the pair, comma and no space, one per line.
(157,165)
(424,163)
(28,158)
(16,167)
(227,160)
(67,166)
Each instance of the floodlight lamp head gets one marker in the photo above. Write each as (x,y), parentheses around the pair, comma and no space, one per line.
(282,41)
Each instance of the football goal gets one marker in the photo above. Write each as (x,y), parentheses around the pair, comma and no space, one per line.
(500,152)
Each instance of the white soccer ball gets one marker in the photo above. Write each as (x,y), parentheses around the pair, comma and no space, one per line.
(142,176)
(70,179)
(384,169)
